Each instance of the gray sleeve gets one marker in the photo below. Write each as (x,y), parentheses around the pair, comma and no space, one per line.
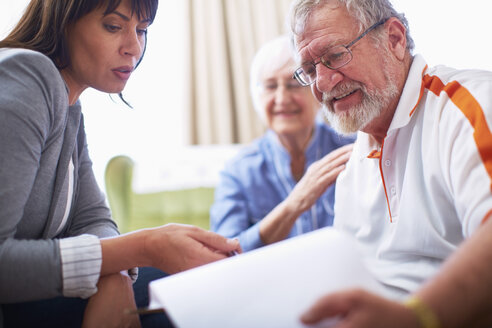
(90,213)
(30,85)
(33,112)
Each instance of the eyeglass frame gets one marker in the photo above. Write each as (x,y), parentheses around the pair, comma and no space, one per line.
(298,71)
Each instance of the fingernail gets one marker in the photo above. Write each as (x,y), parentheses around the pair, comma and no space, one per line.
(233,241)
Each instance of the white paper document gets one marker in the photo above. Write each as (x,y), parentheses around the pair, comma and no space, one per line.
(268,287)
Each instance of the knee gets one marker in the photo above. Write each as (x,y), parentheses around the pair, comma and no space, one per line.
(113,305)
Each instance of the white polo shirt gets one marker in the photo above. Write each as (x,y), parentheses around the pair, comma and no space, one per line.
(413,201)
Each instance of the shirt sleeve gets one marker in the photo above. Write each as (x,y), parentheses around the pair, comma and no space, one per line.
(466,154)
(229,213)
(81,259)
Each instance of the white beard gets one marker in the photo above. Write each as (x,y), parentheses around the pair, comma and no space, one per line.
(372,105)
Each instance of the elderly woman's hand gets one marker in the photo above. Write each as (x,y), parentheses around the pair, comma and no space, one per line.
(318,177)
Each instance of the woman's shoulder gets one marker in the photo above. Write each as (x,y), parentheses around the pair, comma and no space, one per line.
(250,156)
(32,86)
(30,71)
(29,65)
(19,58)
(326,132)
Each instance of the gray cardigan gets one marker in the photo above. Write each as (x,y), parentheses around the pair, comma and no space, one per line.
(39,133)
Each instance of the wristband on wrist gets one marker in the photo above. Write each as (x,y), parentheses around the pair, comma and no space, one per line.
(424,314)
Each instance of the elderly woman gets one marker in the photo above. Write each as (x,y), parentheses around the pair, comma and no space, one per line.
(281,185)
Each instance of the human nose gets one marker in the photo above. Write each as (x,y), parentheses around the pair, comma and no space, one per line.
(133,44)
(282,94)
(327,78)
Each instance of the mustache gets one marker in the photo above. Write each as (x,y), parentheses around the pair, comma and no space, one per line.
(342,89)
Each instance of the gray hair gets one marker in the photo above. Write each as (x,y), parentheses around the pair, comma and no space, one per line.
(366,12)
(272,55)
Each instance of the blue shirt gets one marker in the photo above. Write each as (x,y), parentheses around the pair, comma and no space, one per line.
(256,180)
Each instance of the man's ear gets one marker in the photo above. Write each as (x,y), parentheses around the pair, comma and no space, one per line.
(397,37)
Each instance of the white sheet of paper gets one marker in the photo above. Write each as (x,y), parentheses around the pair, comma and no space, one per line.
(268,287)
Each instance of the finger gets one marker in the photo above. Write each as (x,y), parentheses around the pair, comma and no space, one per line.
(208,255)
(328,177)
(328,306)
(340,153)
(216,241)
(328,162)
(347,149)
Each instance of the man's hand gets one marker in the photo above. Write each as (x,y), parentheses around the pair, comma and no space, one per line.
(360,309)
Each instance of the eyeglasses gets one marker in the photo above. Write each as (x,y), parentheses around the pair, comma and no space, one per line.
(333,58)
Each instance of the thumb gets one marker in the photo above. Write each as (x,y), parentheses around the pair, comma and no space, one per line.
(326,307)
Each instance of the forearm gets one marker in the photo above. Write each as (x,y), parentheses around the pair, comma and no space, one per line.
(278,223)
(124,252)
(462,293)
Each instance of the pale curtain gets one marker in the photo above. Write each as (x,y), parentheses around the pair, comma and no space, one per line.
(223,38)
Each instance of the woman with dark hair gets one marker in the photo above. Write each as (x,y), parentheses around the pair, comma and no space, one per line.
(62,261)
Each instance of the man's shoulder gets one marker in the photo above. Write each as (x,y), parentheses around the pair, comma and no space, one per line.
(471,77)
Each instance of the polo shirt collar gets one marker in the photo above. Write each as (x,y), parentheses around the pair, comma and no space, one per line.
(410,98)
(411,94)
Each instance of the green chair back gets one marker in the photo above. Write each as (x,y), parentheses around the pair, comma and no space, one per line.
(133,211)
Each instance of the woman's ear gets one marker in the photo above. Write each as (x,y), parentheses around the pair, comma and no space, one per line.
(397,37)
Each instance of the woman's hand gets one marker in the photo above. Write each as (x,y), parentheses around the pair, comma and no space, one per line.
(113,305)
(318,177)
(177,247)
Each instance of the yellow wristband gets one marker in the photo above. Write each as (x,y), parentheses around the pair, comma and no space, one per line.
(425,315)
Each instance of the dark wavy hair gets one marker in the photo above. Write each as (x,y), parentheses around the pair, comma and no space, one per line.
(42,26)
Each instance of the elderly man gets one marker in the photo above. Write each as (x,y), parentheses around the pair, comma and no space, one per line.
(421,166)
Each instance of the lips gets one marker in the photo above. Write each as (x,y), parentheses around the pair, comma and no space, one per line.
(287,113)
(123,72)
(344,95)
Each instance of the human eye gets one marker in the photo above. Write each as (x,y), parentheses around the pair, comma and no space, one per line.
(142,31)
(270,86)
(293,85)
(309,69)
(112,28)
(335,57)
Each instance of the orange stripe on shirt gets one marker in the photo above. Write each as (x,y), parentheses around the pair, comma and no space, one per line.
(374,154)
(487,216)
(472,110)
(384,182)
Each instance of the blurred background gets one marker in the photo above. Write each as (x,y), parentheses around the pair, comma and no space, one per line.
(192,87)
